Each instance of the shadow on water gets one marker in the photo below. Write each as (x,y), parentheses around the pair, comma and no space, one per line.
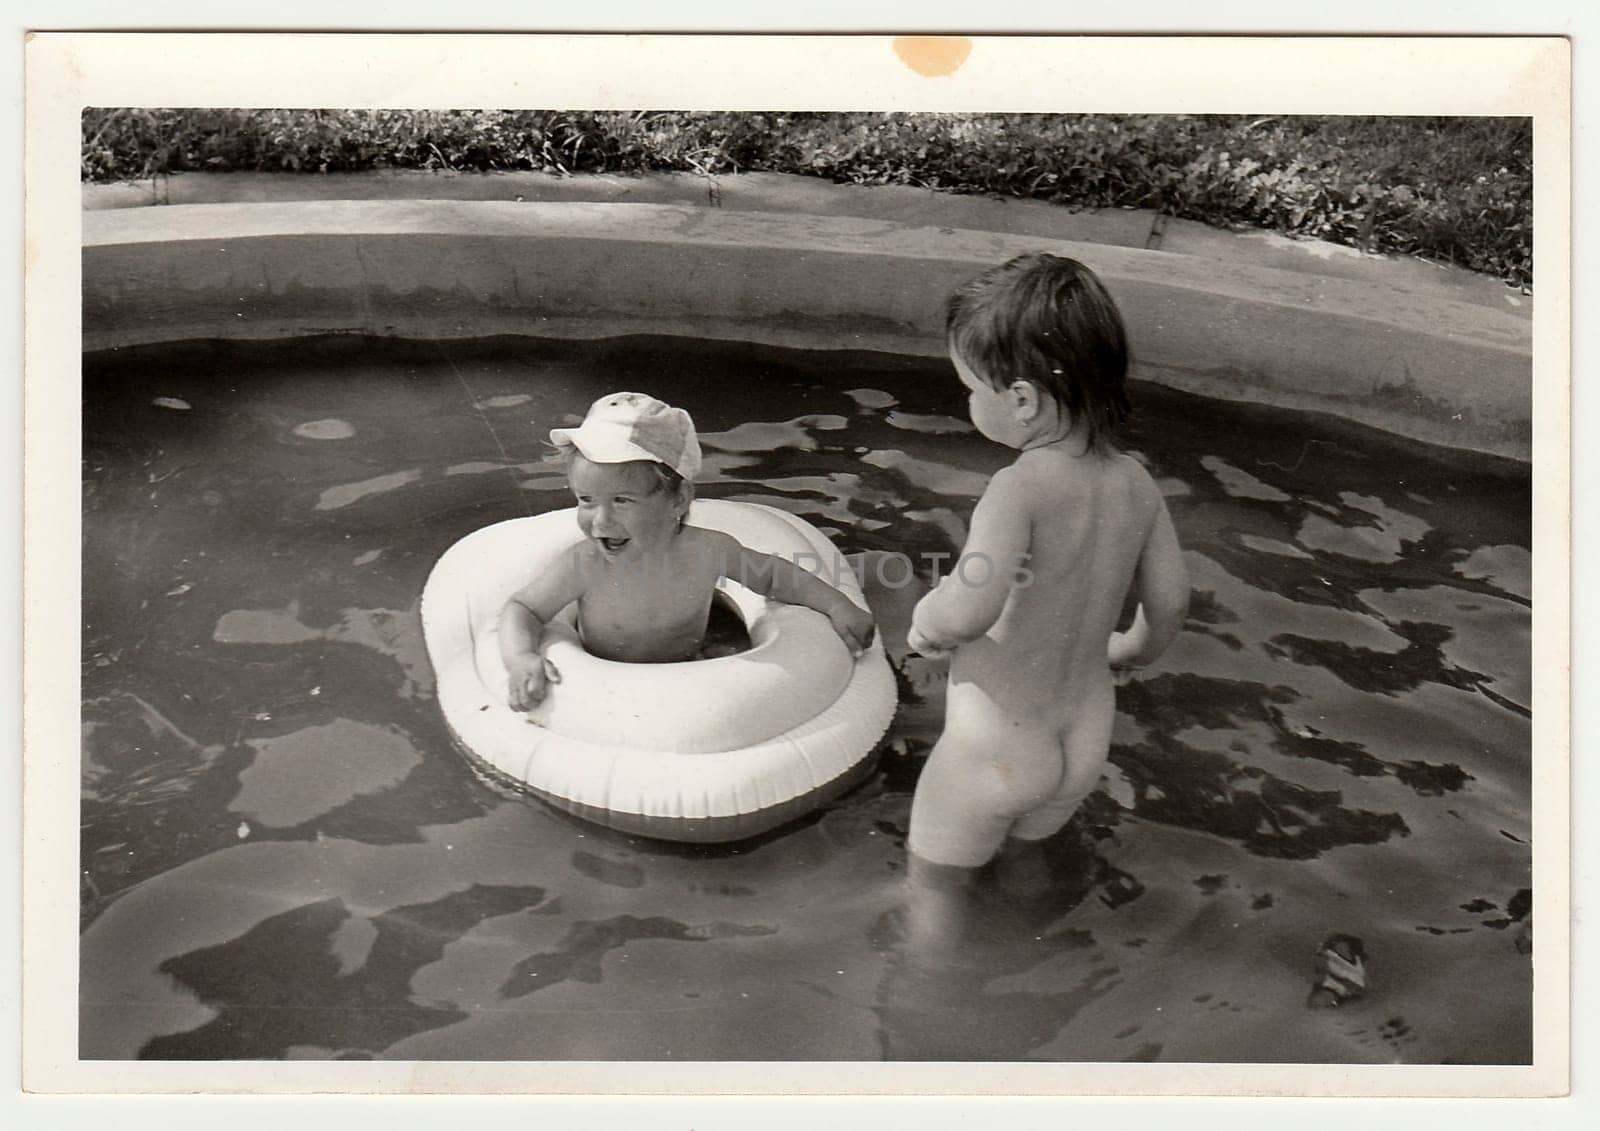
(1172,703)
(579,956)
(1386,673)
(281,984)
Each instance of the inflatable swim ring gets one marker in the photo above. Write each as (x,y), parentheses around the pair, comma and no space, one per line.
(707,750)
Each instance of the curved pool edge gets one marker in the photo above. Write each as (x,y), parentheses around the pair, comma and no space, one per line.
(1424,366)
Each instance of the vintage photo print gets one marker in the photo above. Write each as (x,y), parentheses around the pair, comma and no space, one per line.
(821,565)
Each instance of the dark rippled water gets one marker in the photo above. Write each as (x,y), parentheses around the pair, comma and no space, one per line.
(282,855)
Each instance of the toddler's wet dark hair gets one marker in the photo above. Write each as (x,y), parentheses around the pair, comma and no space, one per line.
(1048,320)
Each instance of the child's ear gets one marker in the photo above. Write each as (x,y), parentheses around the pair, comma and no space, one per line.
(1025,401)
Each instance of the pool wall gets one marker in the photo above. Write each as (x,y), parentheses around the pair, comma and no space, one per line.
(1410,360)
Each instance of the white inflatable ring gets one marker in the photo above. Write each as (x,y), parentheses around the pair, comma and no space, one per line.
(709,750)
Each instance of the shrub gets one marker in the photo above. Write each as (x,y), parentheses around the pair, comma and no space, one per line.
(1456,189)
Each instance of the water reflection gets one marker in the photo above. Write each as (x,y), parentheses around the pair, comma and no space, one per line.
(1343,720)
(280,984)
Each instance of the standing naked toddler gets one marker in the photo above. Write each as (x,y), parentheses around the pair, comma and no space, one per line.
(1055,544)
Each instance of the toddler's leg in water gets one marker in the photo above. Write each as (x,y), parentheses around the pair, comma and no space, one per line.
(938,906)
(953,822)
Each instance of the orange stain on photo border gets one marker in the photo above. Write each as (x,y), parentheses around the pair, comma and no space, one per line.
(933,56)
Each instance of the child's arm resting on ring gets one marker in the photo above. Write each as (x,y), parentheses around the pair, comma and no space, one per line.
(973,594)
(1162,583)
(522,622)
(785,581)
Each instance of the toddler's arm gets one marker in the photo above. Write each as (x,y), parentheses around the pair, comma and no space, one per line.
(973,594)
(1162,583)
(785,581)
(522,622)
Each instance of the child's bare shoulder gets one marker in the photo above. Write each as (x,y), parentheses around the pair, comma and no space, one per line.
(1142,488)
(712,547)
(1136,472)
(1020,479)
(698,538)
(1015,488)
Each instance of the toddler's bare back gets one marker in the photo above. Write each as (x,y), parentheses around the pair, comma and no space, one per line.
(1089,519)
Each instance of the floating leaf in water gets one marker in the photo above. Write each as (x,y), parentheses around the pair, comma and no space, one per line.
(171,402)
(180,590)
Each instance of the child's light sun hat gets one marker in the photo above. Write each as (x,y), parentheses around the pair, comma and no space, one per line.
(622,427)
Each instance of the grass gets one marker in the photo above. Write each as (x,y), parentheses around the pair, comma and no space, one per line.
(1458,190)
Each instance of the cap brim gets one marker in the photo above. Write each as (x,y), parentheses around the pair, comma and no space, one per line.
(604,444)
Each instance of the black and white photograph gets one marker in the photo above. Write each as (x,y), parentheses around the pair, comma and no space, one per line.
(904,586)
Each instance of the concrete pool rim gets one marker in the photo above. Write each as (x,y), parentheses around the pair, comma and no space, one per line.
(1418,364)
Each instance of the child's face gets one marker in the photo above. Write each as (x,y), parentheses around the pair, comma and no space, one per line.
(624,508)
(992,410)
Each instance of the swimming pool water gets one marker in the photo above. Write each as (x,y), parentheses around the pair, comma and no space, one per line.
(283,856)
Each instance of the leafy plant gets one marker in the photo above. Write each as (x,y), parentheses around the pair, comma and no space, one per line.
(1456,189)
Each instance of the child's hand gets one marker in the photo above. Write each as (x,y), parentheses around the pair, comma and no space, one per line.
(1121,651)
(528,679)
(922,646)
(854,626)
(1122,655)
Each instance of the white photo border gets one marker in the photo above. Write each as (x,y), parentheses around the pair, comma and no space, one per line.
(1127,74)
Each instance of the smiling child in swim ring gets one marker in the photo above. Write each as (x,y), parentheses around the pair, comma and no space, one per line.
(642,577)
